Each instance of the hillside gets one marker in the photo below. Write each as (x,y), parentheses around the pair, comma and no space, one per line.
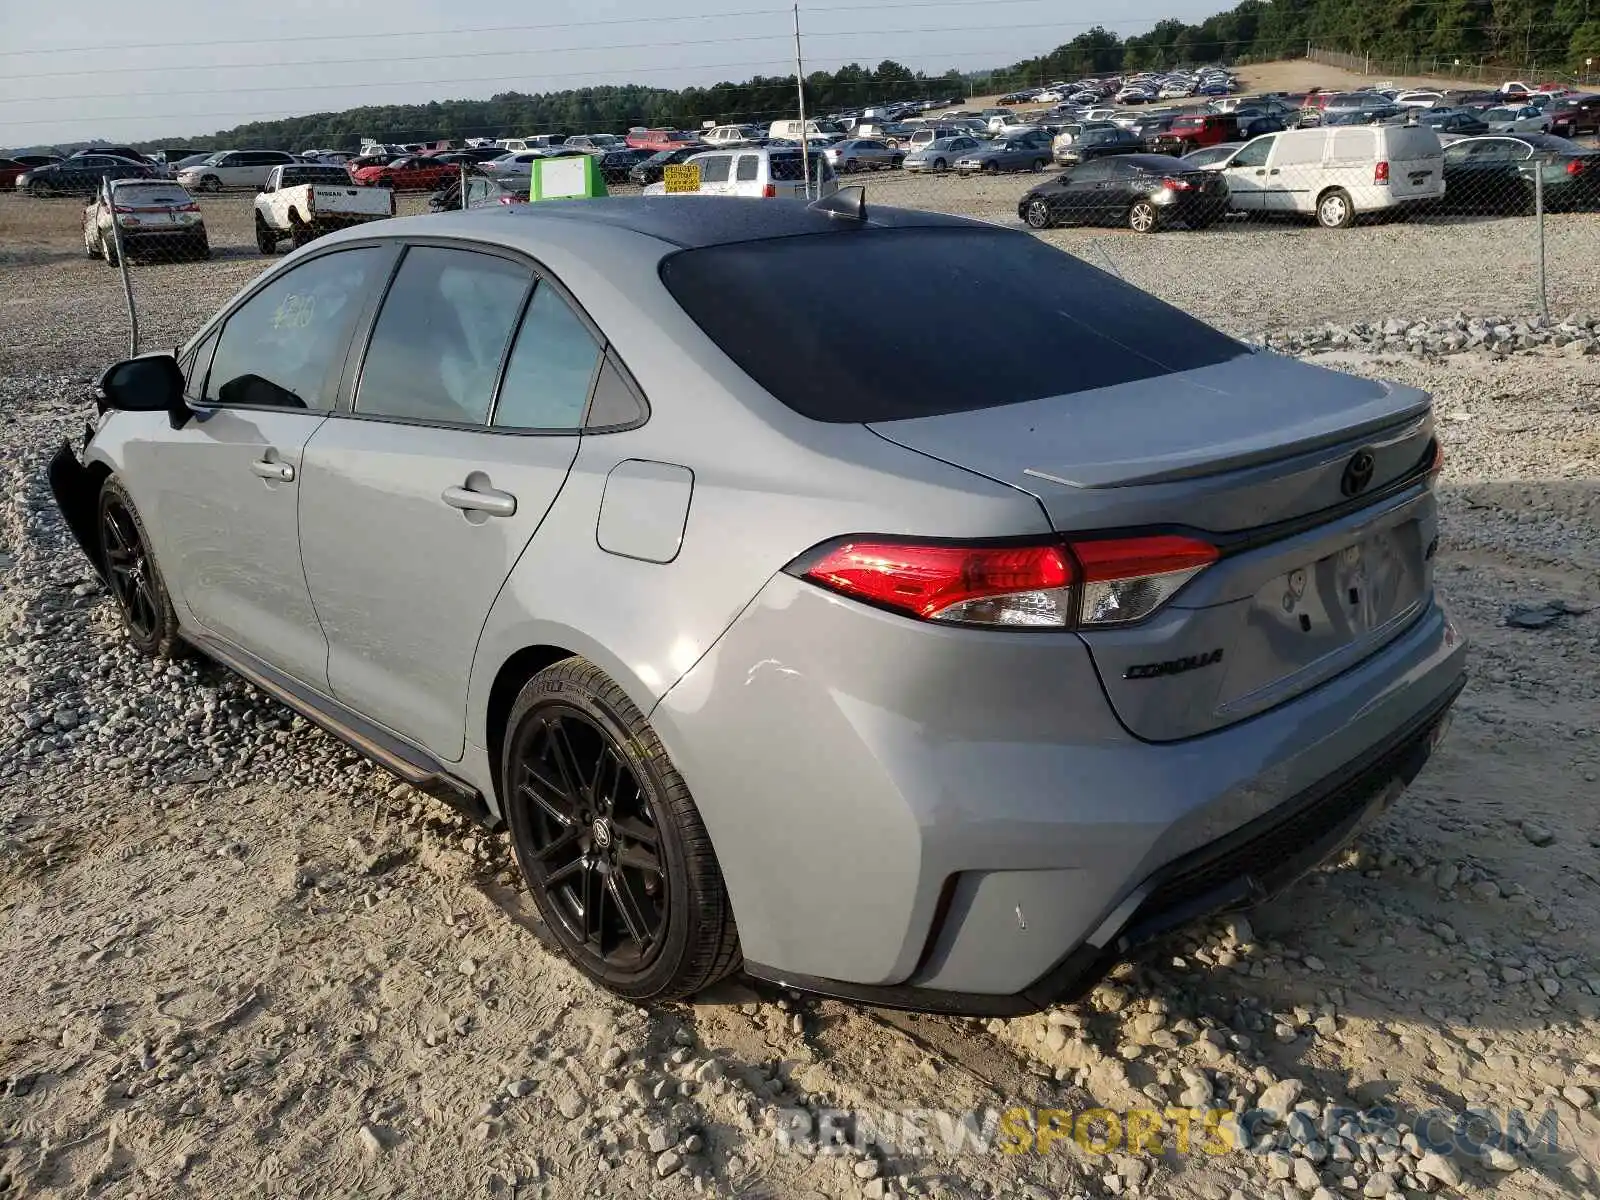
(1548,35)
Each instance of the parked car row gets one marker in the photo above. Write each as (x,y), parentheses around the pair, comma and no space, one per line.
(1333,174)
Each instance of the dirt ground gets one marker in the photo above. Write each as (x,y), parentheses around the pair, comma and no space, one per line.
(236,960)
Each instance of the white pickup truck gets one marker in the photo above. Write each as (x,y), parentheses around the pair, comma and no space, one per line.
(304,201)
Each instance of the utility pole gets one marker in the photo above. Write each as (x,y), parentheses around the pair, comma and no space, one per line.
(800,86)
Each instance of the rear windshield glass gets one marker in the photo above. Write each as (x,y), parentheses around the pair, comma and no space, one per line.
(295,176)
(835,340)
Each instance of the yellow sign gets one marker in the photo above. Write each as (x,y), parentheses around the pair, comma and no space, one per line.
(681,177)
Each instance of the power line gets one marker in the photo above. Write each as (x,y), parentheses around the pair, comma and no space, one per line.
(476,54)
(405,33)
(532,77)
(367,37)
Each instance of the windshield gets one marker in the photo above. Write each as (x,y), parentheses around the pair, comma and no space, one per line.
(152,194)
(1501,114)
(295,176)
(786,168)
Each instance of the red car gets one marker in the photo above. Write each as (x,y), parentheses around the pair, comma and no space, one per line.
(10,171)
(411,174)
(660,139)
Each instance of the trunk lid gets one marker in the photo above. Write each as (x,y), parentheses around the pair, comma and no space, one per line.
(1296,472)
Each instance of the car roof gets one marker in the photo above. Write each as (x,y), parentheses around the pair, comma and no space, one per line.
(674,220)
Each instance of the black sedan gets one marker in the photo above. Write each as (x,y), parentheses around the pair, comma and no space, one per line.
(1499,174)
(1145,192)
(650,170)
(1463,121)
(1098,143)
(615,164)
(81,175)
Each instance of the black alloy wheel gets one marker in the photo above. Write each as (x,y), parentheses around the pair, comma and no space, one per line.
(129,568)
(610,841)
(595,842)
(132,575)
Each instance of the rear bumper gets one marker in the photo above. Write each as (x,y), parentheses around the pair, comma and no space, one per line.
(953,820)
(1241,869)
(133,239)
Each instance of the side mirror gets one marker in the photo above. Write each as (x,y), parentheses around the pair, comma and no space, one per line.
(150,383)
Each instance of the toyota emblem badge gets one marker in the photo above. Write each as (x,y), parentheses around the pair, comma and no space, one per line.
(1357,473)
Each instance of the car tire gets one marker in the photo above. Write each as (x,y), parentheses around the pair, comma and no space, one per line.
(1038,215)
(1143,217)
(132,576)
(266,240)
(991,168)
(108,251)
(38,191)
(1335,210)
(209,183)
(300,233)
(636,843)
(1038,166)
(897,162)
(202,248)
(939,164)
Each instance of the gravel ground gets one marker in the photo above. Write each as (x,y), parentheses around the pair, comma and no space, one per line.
(233,956)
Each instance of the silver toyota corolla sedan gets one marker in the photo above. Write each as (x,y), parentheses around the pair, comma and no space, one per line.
(922,681)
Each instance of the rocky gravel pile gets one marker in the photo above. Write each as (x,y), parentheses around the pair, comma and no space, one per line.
(233,954)
(1576,336)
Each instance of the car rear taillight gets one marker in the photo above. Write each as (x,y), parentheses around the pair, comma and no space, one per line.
(1575,166)
(1084,584)
(770,191)
(190,207)
(1177,185)
(1127,579)
(1436,462)
(1380,173)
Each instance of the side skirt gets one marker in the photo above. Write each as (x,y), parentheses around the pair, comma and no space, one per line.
(415,766)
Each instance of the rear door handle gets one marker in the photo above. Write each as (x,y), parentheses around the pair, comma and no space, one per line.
(1274,171)
(485,500)
(1260,171)
(269,468)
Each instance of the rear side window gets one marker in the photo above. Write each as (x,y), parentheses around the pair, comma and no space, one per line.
(551,369)
(749,167)
(1064,326)
(441,335)
(714,169)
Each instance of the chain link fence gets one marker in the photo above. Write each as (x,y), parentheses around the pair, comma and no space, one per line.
(1254,239)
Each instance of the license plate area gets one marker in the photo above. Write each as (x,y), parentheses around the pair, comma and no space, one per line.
(1420,177)
(1341,599)
(1346,595)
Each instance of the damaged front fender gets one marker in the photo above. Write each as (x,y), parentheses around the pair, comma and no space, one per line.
(77,494)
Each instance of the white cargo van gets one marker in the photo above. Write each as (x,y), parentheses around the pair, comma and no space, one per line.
(815,131)
(758,171)
(1337,173)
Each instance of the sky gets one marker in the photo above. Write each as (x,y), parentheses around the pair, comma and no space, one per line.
(134,71)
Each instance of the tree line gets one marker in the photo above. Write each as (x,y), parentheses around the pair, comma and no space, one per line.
(1557,34)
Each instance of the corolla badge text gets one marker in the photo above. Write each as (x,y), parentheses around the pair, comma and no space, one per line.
(1176,666)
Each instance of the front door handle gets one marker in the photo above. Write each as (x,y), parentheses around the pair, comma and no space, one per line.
(268,468)
(483,499)
(1274,171)
(1261,171)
